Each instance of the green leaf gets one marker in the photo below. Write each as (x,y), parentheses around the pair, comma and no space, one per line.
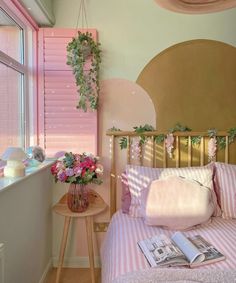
(68,160)
(232,134)
(212,132)
(123,143)
(196,140)
(114,129)
(142,140)
(221,142)
(180,128)
(145,128)
(159,139)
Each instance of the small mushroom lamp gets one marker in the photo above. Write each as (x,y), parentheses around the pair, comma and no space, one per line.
(14,157)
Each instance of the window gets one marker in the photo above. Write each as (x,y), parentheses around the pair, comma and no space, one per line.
(16,87)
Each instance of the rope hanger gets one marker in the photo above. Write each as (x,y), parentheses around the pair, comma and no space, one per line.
(82,16)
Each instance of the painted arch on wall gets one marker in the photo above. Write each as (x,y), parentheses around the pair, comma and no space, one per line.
(193,83)
(196,6)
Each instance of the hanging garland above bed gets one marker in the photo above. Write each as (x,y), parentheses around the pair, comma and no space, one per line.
(213,144)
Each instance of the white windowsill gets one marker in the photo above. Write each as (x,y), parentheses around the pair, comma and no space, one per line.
(6,182)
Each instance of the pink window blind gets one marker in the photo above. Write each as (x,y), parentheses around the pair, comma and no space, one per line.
(62,127)
(11,129)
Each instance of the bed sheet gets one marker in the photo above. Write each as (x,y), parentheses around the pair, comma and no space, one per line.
(121,255)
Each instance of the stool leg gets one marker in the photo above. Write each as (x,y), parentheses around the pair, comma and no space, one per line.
(63,246)
(89,228)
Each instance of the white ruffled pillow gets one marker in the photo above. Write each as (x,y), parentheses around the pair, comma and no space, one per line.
(140,177)
(177,203)
(203,175)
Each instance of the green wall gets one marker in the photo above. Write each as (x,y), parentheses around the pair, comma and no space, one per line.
(132,32)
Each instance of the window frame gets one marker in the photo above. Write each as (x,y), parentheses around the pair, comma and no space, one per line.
(28,69)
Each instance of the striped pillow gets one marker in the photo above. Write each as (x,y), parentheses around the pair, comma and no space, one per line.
(225,180)
(203,175)
(139,179)
(126,196)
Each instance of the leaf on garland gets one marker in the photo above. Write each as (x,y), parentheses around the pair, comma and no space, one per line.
(123,143)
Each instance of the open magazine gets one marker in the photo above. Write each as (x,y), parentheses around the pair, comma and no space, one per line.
(179,250)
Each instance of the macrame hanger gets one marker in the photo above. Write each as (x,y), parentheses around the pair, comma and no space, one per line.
(85,14)
(82,15)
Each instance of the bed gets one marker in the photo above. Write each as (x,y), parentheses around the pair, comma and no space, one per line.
(123,261)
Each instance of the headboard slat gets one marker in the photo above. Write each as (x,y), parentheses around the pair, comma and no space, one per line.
(189,151)
(177,151)
(128,149)
(164,156)
(202,151)
(226,149)
(153,152)
(113,177)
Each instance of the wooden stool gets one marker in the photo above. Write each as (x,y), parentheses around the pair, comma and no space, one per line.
(96,206)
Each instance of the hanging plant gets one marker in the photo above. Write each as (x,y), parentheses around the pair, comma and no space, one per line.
(81,50)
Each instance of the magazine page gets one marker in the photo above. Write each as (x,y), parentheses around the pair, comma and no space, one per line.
(190,250)
(161,251)
(210,252)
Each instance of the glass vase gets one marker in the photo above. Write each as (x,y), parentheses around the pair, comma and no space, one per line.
(77,197)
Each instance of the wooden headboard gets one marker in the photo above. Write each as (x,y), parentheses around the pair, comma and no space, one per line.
(185,153)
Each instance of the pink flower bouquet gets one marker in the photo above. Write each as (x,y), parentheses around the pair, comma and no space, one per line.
(78,169)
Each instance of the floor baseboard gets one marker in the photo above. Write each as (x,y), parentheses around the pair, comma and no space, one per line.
(48,267)
(77,262)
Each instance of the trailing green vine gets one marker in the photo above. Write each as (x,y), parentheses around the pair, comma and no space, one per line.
(212,132)
(80,50)
(221,141)
(232,134)
(123,143)
(179,128)
(114,129)
(159,139)
(140,130)
(196,140)
(214,142)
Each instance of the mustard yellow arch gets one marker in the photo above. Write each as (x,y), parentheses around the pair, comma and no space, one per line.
(194,83)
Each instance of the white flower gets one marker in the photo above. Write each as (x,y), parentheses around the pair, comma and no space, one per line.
(136,148)
(212,147)
(99,169)
(169,143)
(88,154)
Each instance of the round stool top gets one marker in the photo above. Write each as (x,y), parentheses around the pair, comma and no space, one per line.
(96,206)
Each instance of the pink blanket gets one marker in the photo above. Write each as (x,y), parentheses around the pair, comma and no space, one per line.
(120,253)
(178,276)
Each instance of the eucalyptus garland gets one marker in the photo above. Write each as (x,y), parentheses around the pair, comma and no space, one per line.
(139,130)
(81,50)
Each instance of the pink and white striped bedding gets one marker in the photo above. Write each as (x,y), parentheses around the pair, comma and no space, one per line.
(225,177)
(120,253)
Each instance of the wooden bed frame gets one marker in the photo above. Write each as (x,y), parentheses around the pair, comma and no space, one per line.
(154,149)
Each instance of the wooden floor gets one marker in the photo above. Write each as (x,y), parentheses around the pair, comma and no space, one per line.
(73,275)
